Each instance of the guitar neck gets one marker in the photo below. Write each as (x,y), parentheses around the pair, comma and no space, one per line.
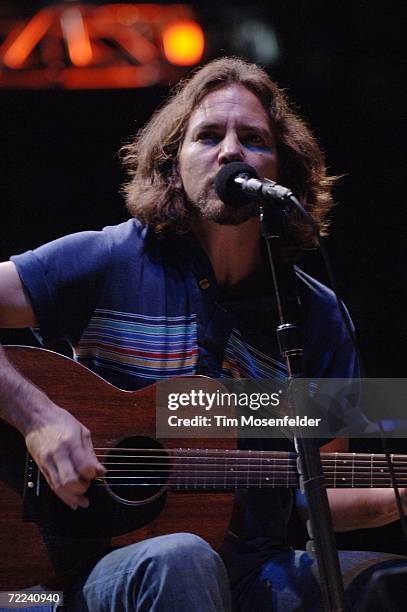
(213,469)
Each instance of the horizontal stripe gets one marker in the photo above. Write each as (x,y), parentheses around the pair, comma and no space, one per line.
(151,375)
(122,316)
(145,364)
(142,346)
(105,346)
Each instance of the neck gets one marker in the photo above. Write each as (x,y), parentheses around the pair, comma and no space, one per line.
(234,250)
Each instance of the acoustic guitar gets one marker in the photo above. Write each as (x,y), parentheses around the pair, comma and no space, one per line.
(152,487)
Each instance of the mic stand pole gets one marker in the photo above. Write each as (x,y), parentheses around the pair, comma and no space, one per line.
(311,475)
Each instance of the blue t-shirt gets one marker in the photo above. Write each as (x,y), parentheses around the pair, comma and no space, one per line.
(137,309)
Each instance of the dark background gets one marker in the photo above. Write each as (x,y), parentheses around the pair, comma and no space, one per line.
(341,62)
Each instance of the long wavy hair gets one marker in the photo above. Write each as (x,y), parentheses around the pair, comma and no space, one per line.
(154,192)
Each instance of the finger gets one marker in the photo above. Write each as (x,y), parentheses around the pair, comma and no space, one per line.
(72,498)
(85,459)
(67,482)
(70,492)
(86,465)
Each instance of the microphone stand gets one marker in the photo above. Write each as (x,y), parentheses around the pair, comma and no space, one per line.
(322,538)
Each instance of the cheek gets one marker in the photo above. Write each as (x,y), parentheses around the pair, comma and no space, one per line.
(268,168)
(184,173)
(187,175)
(191,169)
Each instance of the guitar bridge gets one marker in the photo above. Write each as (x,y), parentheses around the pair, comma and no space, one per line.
(32,485)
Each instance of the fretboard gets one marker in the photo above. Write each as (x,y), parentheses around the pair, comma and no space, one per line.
(223,470)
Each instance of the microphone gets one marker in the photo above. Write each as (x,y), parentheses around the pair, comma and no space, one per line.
(238,182)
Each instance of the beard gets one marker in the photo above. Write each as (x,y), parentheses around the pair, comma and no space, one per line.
(211,208)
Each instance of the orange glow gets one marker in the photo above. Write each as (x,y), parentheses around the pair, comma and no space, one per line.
(77,37)
(183,43)
(109,78)
(20,48)
(81,46)
(137,45)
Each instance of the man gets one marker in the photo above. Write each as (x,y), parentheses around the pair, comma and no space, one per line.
(193,262)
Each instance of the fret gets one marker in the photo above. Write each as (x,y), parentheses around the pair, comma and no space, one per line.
(248,470)
(287,473)
(195,474)
(335,465)
(178,475)
(187,474)
(371,469)
(353,469)
(225,469)
(261,469)
(345,464)
(204,484)
(273,467)
(392,462)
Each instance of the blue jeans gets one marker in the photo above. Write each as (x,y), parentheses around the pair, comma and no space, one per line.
(182,573)
(289,581)
(174,573)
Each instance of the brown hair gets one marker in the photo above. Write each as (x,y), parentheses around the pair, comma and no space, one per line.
(154,192)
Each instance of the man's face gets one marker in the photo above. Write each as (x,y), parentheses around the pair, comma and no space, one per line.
(230,124)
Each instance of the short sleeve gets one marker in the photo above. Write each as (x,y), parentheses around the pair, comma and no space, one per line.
(63,279)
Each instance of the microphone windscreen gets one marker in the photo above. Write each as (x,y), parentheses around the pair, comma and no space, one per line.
(226,188)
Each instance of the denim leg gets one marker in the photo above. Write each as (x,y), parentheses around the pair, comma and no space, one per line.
(289,581)
(173,573)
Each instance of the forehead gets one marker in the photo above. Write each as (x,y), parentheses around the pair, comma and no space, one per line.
(230,103)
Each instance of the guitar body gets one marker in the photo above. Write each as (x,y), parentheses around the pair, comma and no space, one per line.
(114,417)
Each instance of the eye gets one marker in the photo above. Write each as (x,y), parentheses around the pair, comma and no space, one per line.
(256,140)
(208,137)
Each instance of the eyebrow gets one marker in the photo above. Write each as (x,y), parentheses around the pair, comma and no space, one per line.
(213,125)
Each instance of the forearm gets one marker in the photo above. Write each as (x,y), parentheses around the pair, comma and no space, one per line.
(357,508)
(22,405)
(60,445)
(363,508)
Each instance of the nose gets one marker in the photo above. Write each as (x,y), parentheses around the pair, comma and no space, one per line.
(230,149)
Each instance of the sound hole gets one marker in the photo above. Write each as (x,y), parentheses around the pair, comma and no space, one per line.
(138,469)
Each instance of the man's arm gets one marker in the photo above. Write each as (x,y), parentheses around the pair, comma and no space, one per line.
(58,443)
(15,306)
(357,508)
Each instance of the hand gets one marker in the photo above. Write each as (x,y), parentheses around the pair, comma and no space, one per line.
(62,448)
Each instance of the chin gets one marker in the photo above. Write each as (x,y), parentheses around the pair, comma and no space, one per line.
(213,209)
(230,215)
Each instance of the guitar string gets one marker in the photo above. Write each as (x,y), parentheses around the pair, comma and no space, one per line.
(183,454)
(234,474)
(360,461)
(239,455)
(251,453)
(244,483)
